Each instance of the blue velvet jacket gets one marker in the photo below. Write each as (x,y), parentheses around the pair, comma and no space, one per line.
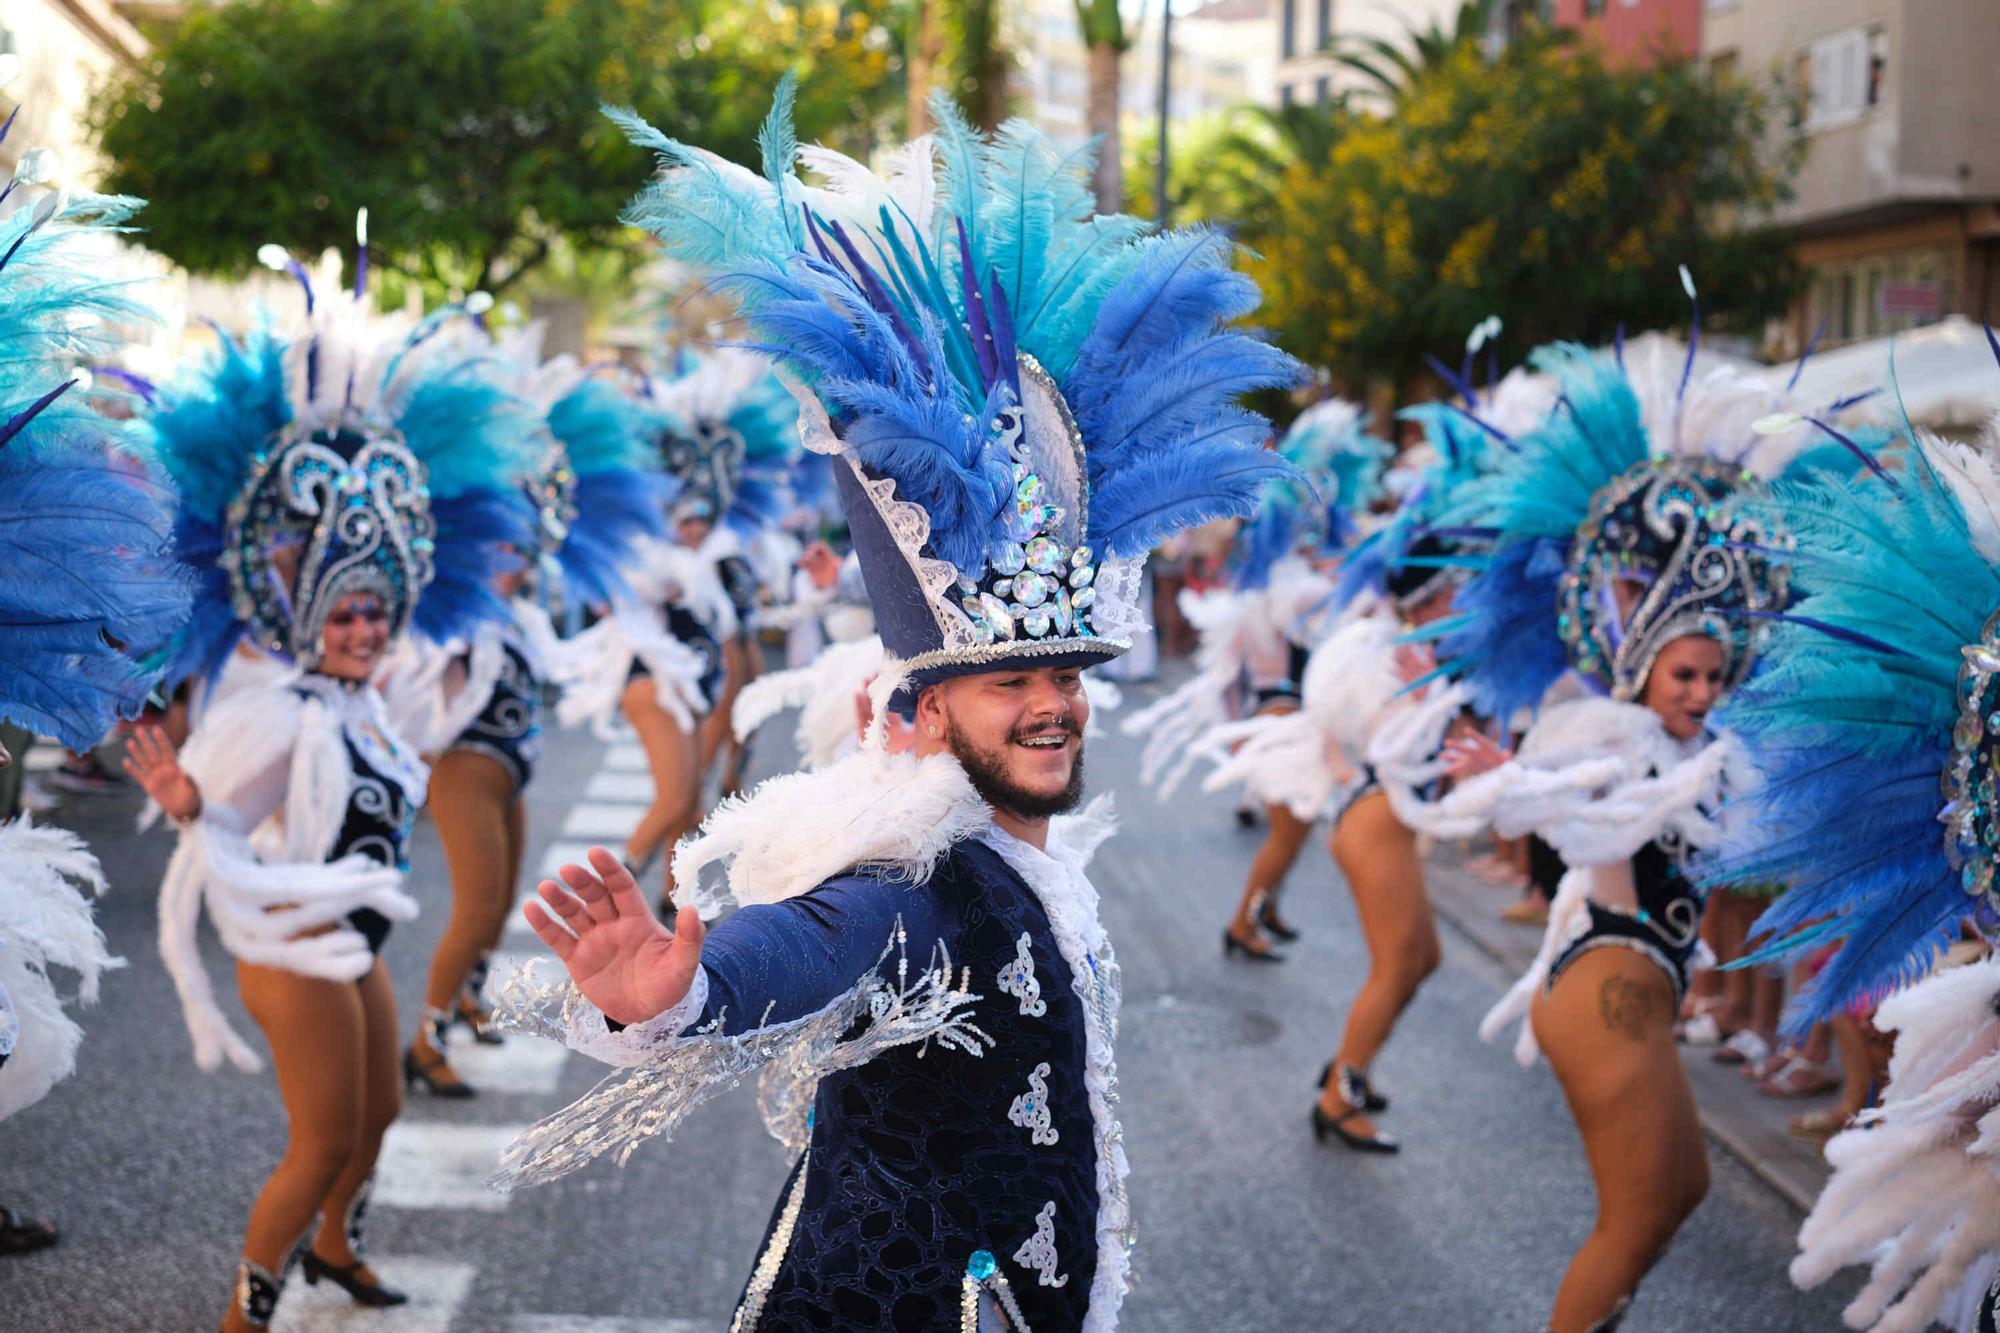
(925,1160)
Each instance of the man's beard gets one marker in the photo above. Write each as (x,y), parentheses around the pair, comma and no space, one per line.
(987,771)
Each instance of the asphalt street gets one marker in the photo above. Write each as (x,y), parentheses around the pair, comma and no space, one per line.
(149,1164)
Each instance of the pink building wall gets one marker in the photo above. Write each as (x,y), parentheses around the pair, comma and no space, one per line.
(1630,30)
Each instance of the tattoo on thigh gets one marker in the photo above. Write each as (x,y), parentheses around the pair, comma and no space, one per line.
(1626,1006)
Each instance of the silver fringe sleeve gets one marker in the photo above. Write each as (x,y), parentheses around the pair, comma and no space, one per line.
(634,1105)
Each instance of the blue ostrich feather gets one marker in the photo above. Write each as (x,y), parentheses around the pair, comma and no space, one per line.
(472,526)
(1851,740)
(1535,493)
(1134,327)
(603,429)
(614,509)
(89,584)
(621,496)
(470,433)
(202,420)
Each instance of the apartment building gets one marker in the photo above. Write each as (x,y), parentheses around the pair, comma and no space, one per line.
(1634,31)
(1898,202)
(1307,28)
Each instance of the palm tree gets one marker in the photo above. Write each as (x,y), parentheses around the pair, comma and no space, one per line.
(1103,27)
(1392,69)
(926,46)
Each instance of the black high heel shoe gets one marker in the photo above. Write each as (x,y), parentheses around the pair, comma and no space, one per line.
(1355,1089)
(1324,1124)
(1273,927)
(417,1073)
(348,1278)
(477,1021)
(1233,947)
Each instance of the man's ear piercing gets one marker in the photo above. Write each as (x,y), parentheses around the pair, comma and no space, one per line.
(933,731)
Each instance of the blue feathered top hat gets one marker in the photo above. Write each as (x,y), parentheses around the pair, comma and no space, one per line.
(1024,398)
(357,454)
(89,586)
(729,435)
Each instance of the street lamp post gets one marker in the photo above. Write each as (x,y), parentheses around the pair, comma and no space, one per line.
(1166,87)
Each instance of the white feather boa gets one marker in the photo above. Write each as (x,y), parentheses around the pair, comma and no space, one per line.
(1306,759)
(1597,780)
(823,690)
(275,780)
(47,881)
(1915,1192)
(794,832)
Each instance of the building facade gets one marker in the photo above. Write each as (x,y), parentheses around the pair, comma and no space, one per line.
(1307,29)
(1635,31)
(1898,202)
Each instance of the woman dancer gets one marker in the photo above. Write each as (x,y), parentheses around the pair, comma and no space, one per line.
(1313,762)
(1259,633)
(325,484)
(1618,549)
(594,498)
(88,585)
(732,439)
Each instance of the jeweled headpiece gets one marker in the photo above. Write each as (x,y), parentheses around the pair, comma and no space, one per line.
(1024,398)
(729,435)
(325,515)
(1664,553)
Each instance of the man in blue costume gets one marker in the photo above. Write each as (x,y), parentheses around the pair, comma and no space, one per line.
(1021,400)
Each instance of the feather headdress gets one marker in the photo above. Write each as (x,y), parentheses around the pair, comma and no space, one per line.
(1615,528)
(89,586)
(356,454)
(1875,722)
(729,435)
(1339,475)
(1018,390)
(597,488)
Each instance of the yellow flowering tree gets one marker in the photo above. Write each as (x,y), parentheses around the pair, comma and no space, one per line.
(1539,185)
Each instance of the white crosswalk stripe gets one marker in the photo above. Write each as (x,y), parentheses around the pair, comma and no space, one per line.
(567,851)
(625,759)
(429,1164)
(609,786)
(602,819)
(519,1065)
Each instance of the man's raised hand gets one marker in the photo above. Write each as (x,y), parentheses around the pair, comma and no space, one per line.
(618,954)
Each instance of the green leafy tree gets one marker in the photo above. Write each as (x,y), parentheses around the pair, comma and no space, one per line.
(1540,185)
(469,128)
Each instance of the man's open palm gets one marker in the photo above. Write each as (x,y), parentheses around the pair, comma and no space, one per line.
(618,954)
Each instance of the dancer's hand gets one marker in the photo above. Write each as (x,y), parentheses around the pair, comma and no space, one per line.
(618,954)
(1414,661)
(821,565)
(1472,754)
(152,763)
